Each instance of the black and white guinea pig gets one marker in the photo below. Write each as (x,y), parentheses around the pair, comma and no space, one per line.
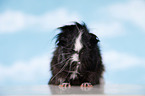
(77,59)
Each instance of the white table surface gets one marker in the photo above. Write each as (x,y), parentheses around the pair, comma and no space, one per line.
(42,90)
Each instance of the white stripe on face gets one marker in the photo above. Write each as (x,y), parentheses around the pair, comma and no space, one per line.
(77,47)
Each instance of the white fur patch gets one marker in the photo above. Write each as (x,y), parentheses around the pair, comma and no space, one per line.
(78,44)
(77,47)
(74,74)
(75,57)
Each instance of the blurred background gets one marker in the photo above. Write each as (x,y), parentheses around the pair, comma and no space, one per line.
(28,28)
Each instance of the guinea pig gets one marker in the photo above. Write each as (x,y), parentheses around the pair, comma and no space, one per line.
(77,58)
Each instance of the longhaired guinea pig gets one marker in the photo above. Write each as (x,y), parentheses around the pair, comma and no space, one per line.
(77,59)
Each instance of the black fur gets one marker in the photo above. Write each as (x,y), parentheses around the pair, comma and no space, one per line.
(90,68)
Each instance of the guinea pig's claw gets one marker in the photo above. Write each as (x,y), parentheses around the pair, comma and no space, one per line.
(86,84)
(65,85)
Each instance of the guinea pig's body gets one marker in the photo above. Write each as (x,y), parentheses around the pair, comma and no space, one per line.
(77,58)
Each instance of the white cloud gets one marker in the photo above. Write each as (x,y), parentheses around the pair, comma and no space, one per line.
(118,14)
(117,61)
(104,29)
(13,21)
(32,71)
(132,11)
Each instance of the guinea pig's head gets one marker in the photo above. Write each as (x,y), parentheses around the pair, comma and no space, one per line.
(76,37)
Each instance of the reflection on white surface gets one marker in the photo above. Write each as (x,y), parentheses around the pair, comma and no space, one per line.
(77,90)
(56,90)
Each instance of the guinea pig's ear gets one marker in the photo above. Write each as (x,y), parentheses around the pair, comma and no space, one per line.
(93,39)
(61,41)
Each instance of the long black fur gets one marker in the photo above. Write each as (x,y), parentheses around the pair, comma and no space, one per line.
(91,67)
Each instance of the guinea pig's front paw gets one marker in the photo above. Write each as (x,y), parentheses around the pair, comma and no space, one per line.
(65,85)
(86,84)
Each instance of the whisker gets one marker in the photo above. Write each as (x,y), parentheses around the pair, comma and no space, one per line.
(61,69)
(66,53)
(61,62)
(68,71)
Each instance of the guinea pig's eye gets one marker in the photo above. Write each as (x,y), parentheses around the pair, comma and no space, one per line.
(93,39)
(61,40)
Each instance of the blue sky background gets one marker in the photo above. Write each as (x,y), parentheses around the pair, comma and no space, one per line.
(27,28)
